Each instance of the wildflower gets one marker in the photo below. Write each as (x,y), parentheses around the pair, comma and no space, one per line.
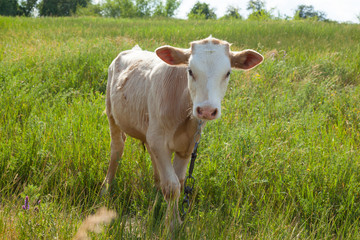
(36,208)
(26,205)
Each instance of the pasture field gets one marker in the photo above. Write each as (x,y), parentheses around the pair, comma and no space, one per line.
(283,162)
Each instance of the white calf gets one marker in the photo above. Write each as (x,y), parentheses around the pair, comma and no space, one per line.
(157,98)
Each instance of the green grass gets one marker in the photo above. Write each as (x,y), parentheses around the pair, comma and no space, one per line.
(283,162)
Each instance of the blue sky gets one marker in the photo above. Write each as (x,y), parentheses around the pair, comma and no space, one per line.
(342,11)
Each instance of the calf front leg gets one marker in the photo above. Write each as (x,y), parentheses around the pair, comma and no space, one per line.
(169,182)
(180,166)
(156,172)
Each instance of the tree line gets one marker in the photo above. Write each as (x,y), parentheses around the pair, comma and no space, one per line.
(145,8)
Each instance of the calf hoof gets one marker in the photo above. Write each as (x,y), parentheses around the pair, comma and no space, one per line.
(173,221)
(171,190)
(105,188)
(173,225)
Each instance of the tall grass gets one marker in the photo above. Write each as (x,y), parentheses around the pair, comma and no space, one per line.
(282,163)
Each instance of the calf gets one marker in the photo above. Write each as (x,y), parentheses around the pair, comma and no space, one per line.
(159,97)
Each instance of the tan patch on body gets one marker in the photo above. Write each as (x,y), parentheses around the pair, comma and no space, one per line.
(217,41)
(213,41)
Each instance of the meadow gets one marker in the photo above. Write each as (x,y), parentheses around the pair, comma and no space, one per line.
(283,162)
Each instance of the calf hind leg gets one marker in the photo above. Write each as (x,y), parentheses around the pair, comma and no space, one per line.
(118,138)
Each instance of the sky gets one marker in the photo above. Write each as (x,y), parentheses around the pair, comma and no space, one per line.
(341,11)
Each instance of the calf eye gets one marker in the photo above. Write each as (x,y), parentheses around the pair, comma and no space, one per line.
(190,73)
(228,74)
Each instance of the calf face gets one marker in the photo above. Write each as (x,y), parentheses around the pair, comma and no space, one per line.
(209,64)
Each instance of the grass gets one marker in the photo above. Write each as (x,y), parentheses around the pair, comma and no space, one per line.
(282,163)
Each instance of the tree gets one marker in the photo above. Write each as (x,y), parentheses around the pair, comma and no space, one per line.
(308,12)
(93,10)
(119,8)
(8,7)
(26,7)
(232,13)
(143,8)
(140,8)
(171,6)
(160,10)
(167,10)
(60,8)
(258,10)
(256,5)
(48,8)
(202,11)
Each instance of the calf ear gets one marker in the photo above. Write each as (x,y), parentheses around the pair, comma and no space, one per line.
(173,56)
(246,59)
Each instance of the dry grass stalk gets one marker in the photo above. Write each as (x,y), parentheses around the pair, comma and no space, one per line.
(93,223)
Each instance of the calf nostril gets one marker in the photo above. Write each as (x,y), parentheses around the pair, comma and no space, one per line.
(214,113)
(198,110)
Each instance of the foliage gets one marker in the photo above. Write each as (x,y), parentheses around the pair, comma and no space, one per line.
(140,8)
(93,10)
(201,11)
(171,6)
(14,8)
(258,10)
(308,12)
(119,8)
(260,15)
(144,8)
(60,8)
(256,5)
(283,162)
(232,13)
(8,7)
(168,10)
(26,7)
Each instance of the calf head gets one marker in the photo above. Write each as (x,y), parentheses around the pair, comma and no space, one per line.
(209,64)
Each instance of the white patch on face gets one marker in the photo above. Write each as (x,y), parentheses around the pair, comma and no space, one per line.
(208,65)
